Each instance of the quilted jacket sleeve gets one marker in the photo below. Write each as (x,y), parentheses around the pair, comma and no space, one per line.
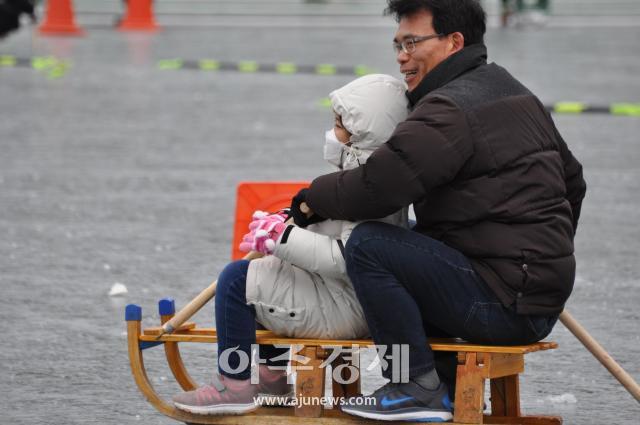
(312,251)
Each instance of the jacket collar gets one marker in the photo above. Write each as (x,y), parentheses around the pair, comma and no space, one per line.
(448,70)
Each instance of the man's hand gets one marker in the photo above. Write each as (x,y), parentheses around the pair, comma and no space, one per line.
(265,229)
(299,217)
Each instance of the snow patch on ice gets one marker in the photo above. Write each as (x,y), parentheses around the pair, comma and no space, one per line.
(566,398)
(118,289)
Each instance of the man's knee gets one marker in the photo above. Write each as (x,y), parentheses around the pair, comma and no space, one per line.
(361,247)
(360,234)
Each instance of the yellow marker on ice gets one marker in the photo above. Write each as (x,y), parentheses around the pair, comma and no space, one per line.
(325,102)
(286,68)
(43,62)
(361,70)
(569,107)
(170,64)
(7,60)
(209,65)
(628,109)
(326,69)
(248,66)
(58,70)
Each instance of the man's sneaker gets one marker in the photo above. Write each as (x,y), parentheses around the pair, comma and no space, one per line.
(225,396)
(403,402)
(273,388)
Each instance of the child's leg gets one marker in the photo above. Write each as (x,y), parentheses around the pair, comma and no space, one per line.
(277,357)
(236,324)
(233,393)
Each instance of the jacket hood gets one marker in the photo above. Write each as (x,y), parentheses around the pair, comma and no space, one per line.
(371,107)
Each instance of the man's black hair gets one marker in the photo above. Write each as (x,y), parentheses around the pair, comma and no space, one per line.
(465,16)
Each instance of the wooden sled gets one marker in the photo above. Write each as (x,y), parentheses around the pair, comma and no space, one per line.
(476,363)
(501,365)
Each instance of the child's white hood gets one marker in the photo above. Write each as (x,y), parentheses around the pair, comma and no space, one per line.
(382,97)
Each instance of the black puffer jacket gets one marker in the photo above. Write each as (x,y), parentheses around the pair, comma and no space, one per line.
(488,174)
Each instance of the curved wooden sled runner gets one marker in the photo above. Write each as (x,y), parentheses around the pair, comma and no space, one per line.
(476,363)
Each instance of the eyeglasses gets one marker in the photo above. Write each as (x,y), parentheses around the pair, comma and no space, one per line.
(409,45)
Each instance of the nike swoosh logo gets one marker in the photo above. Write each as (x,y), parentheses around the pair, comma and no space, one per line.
(385,402)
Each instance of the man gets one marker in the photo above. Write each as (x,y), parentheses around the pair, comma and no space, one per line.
(497,197)
(10,13)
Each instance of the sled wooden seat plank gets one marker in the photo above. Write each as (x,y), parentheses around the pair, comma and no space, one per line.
(209,335)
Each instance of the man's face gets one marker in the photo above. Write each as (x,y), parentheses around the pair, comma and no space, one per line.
(428,53)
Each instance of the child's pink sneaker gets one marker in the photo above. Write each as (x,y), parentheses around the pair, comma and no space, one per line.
(273,389)
(225,396)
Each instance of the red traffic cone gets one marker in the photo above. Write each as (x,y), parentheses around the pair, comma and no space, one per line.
(59,19)
(139,16)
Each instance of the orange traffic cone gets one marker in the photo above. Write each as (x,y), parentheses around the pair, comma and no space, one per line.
(264,196)
(139,16)
(59,19)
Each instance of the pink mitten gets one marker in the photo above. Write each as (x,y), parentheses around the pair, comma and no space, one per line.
(265,229)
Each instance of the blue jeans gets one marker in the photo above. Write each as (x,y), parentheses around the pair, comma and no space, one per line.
(412,287)
(236,325)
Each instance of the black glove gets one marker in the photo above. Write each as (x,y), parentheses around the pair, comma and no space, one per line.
(299,217)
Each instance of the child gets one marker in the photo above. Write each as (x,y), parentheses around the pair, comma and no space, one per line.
(302,290)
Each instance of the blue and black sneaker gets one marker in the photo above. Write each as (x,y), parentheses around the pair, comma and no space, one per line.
(403,402)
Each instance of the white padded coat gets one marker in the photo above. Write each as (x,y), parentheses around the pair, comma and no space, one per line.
(303,289)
